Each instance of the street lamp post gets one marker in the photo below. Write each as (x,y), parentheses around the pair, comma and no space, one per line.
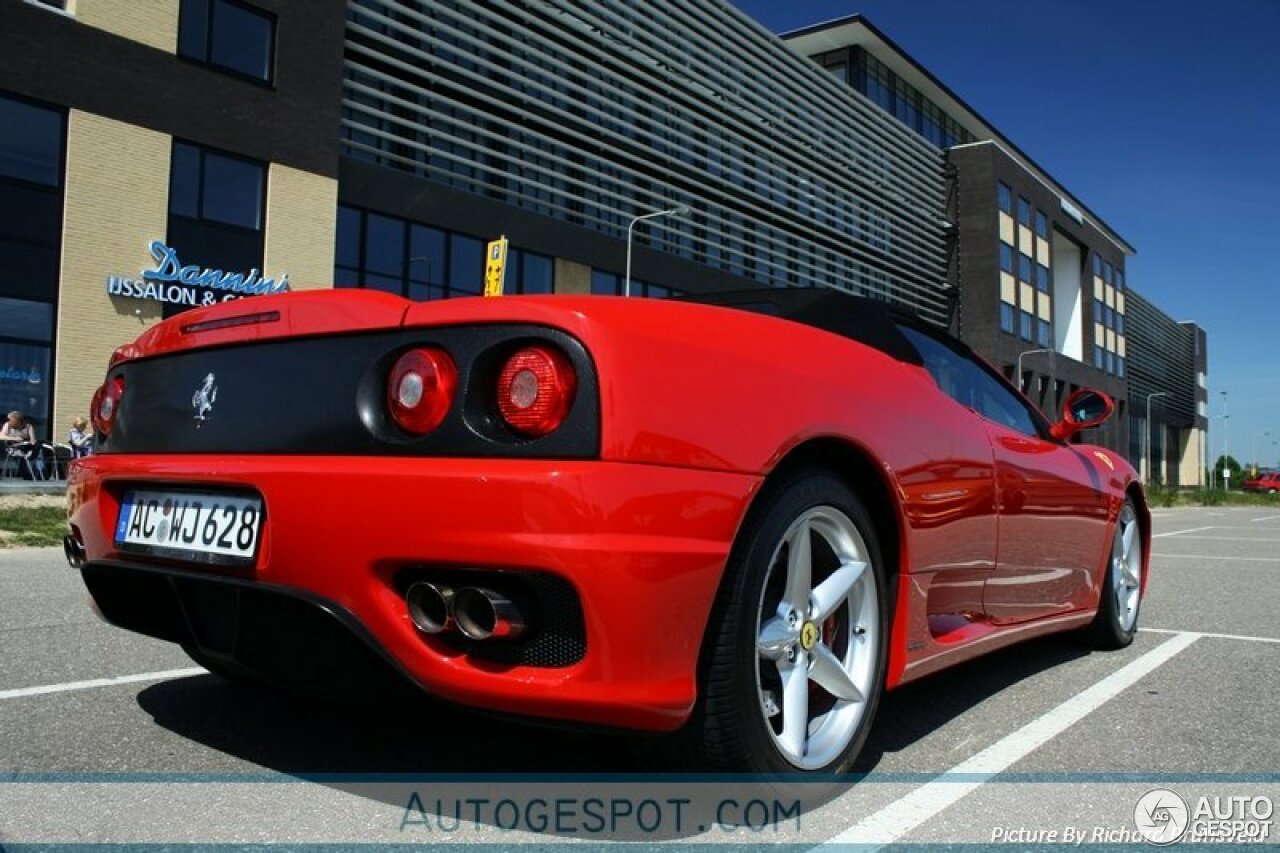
(1028,352)
(678,210)
(1148,454)
(1226,453)
(1253,451)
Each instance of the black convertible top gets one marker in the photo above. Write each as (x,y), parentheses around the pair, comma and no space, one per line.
(866,321)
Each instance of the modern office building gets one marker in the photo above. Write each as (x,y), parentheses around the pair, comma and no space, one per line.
(176,152)
(1168,389)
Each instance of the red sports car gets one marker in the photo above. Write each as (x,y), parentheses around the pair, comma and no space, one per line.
(737,523)
(1266,482)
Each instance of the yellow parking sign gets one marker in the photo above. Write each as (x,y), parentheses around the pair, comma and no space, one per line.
(495,268)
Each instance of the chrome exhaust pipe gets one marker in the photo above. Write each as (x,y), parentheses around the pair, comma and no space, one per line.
(483,614)
(430,607)
(73,551)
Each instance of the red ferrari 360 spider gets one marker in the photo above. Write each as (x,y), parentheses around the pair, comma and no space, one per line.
(735,523)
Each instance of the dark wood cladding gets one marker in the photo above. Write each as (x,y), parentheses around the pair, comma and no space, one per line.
(56,59)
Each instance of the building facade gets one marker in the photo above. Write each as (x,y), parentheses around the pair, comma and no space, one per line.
(178,152)
(154,137)
(1168,387)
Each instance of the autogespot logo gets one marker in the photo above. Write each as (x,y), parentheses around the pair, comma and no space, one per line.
(1161,816)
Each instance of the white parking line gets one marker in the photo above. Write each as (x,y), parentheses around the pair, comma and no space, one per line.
(1244,637)
(1176,532)
(1231,538)
(1216,558)
(1234,527)
(68,686)
(903,815)
(1264,518)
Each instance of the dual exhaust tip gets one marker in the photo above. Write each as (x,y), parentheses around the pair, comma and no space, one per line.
(476,613)
(73,550)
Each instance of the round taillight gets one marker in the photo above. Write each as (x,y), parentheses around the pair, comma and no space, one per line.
(420,389)
(535,390)
(106,405)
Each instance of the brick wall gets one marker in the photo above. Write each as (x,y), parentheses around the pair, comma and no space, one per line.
(302,211)
(151,22)
(116,204)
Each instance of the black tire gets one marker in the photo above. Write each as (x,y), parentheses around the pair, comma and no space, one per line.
(1111,628)
(730,727)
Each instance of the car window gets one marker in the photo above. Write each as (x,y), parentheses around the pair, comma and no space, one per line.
(970,384)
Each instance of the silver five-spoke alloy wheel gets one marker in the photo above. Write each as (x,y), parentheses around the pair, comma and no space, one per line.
(1126,568)
(818,638)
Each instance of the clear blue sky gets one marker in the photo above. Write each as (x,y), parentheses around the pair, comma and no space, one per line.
(1163,117)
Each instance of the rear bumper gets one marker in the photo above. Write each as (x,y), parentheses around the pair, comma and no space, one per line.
(642,548)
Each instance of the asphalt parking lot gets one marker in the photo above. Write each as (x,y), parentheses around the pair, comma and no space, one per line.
(110,737)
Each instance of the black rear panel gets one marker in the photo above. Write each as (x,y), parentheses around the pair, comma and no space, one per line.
(327,395)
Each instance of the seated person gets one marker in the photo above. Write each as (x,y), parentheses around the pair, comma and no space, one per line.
(16,430)
(19,440)
(80,437)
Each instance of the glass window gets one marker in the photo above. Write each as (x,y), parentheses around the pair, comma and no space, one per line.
(1042,224)
(1006,257)
(384,245)
(1006,317)
(1024,268)
(24,383)
(20,318)
(29,213)
(537,273)
(27,270)
(1042,278)
(1107,271)
(466,264)
(1119,367)
(30,142)
(1024,211)
(1097,357)
(241,39)
(232,191)
(605,283)
(215,212)
(1042,333)
(193,29)
(347,251)
(205,184)
(1097,264)
(428,250)
(1119,280)
(229,35)
(1004,196)
(184,181)
(962,378)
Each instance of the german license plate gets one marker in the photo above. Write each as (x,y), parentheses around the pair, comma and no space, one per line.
(190,525)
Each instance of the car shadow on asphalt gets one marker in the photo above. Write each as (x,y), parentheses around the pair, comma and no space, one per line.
(420,738)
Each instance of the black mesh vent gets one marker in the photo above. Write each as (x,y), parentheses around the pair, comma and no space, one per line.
(557,634)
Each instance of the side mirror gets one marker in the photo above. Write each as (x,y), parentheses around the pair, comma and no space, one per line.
(1084,409)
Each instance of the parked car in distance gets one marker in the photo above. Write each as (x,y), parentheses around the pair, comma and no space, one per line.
(737,524)
(1266,482)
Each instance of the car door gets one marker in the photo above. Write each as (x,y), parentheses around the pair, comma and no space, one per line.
(949,493)
(1050,509)
(1050,506)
